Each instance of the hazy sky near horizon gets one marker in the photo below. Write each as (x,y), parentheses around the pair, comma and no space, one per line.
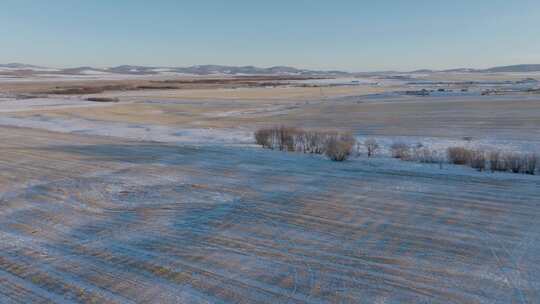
(354,35)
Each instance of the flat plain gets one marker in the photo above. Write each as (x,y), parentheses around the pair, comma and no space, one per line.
(162,196)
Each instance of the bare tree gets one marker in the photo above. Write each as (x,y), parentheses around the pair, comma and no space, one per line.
(478,160)
(531,162)
(459,155)
(496,162)
(372,146)
(339,147)
(425,155)
(401,150)
(262,137)
(514,162)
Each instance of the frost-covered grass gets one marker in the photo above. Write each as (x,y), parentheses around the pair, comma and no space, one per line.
(105,218)
(110,211)
(422,149)
(141,132)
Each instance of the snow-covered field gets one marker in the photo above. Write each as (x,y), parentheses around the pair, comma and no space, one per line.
(168,201)
(441,145)
(96,219)
(141,132)
(211,136)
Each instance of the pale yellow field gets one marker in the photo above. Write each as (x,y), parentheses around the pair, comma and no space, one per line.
(512,116)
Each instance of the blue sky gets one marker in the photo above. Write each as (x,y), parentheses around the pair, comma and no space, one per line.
(353,35)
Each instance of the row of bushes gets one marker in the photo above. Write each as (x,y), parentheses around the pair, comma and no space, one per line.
(475,158)
(494,160)
(338,146)
(418,153)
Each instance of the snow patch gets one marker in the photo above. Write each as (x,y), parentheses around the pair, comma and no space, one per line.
(142,132)
(441,145)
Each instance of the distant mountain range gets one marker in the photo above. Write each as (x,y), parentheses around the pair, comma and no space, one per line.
(501,69)
(156,70)
(515,68)
(219,69)
(230,70)
(19,66)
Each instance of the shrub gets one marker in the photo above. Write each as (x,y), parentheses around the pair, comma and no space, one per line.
(262,137)
(400,150)
(313,142)
(531,162)
(372,146)
(519,163)
(459,155)
(425,155)
(462,156)
(496,163)
(286,138)
(477,160)
(514,162)
(339,146)
(281,138)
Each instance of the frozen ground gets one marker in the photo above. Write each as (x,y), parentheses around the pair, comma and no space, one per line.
(89,219)
(338,81)
(441,145)
(237,136)
(163,199)
(230,136)
(141,132)
(11,105)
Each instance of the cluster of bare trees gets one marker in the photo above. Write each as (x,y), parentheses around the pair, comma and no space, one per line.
(495,160)
(474,158)
(401,150)
(463,156)
(418,153)
(513,162)
(337,146)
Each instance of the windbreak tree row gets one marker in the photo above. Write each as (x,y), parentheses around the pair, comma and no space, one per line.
(336,145)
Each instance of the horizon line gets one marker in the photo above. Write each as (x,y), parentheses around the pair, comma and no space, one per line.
(266,67)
